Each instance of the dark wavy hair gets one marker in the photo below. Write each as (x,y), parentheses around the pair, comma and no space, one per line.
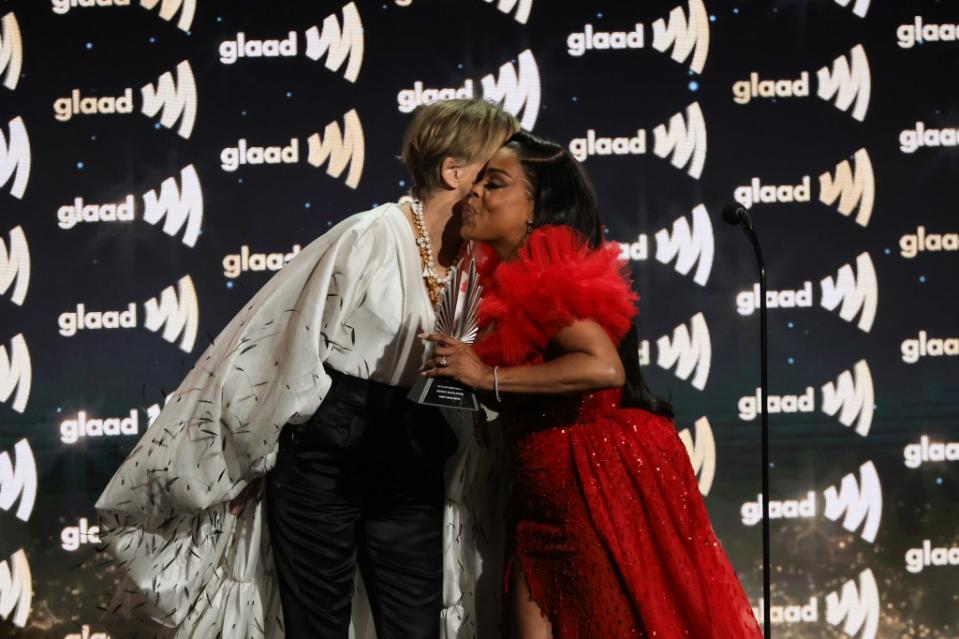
(563,194)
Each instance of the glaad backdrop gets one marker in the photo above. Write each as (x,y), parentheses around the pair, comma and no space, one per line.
(159,160)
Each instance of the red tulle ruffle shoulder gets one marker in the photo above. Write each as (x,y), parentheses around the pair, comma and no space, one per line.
(555,280)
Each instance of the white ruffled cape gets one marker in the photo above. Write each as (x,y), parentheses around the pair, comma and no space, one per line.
(191,569)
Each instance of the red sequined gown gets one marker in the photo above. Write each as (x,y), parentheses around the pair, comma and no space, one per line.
(609,526)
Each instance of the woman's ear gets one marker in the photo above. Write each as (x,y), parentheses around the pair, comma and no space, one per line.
(452,173)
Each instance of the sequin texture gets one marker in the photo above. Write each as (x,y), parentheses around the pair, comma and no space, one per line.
(607,521)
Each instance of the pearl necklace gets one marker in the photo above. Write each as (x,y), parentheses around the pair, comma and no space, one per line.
(434,283)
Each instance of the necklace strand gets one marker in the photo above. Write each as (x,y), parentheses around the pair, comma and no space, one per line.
(434,283)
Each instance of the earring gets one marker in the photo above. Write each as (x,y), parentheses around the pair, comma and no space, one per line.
(529,226)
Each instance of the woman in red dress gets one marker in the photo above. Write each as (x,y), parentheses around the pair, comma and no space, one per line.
(610,535)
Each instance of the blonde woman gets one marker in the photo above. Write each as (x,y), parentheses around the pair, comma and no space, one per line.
(307,386)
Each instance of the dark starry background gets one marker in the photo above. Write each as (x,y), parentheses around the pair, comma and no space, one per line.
(102,158)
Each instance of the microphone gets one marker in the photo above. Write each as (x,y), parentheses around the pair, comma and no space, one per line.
(738,215)
(734,213)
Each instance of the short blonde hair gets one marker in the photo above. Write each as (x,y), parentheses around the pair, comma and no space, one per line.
(469,130)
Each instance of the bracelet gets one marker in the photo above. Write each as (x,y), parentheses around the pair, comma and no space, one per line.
(496,382)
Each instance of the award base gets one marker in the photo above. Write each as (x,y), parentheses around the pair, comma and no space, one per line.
(443,392)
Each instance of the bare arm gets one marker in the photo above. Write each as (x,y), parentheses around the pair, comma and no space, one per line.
(587,360)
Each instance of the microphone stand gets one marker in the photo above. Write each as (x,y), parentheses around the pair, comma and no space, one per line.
(739,216)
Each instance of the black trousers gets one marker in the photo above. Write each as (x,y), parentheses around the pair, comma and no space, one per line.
(360,483)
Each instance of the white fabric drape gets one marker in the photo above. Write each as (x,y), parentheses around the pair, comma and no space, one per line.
(353,298)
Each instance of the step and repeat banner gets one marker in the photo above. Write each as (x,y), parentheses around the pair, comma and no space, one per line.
(160,159)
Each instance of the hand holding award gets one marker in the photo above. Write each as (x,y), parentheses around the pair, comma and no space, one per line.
(455,318)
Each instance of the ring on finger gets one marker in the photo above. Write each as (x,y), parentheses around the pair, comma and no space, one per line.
(444,362)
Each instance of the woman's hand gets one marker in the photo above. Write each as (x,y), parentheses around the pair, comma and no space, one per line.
(453,358)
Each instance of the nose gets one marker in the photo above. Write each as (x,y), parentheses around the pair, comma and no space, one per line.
(476,190)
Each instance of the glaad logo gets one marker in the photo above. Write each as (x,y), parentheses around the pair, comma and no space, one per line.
(178,316)
(691,245)
(912,244)
(684,139)
(177,101)
(789,613)
(925,346)
(517,90)
(579,42)
(232,157)
(176,207)
(748,301)
(860,7)
(702,453)
(73,430)
(16,372)
(749,405)
(583,148)
(61,7)
(174,315)
(168,8)
(16,588)
(853,292)
(11,51)
(81,319)
(914,455)
(852,187)
(912,139)
(340,149)
(848,83)
(919,558)
(240,46)
(15,266)
(852,397)
(69,215)
(15,157)
(76,104)
(18,480)
(338,44)
(756,191)
(858,503)
(687,37)
(855,608)
(523,8)
(236,264)
(72,537)
(689,350)
(918,32)
(751,512)
(409,99)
